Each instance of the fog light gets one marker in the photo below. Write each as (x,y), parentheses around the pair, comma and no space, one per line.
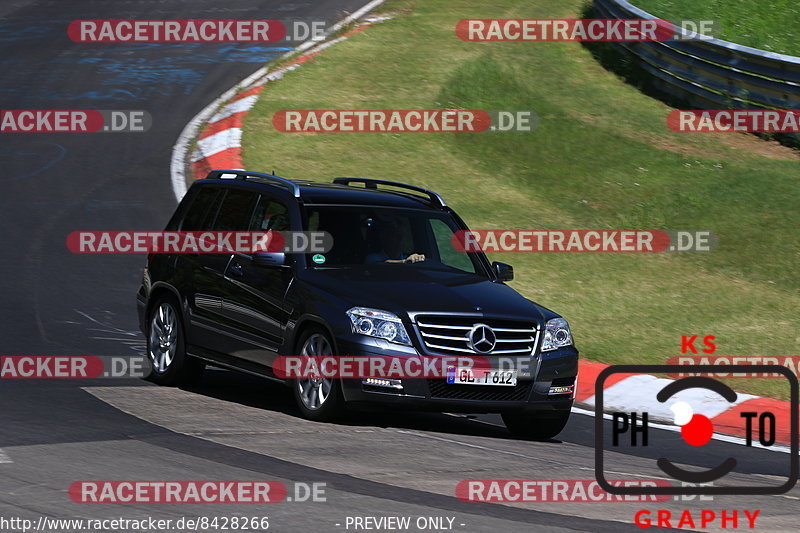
(386,383)
(566,389)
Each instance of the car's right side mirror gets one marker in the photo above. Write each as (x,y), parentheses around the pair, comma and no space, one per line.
(503,271)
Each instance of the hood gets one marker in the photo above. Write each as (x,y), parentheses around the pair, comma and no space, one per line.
(403,289)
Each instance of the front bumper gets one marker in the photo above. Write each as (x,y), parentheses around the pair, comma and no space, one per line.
(531,394)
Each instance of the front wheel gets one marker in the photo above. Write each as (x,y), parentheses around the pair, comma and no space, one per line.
(535,426)
(169,364)
(319,398)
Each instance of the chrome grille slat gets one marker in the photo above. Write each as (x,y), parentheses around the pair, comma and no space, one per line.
(449,334)
(465,328)
(445,337)
(437,347)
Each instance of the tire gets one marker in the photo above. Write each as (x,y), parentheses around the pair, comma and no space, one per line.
(535,427)
(318,399)
(169,364)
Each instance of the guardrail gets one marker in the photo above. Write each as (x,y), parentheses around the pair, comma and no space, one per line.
(712,73)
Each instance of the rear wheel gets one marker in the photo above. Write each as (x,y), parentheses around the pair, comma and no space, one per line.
(535,426)
(318,398)
(169,364)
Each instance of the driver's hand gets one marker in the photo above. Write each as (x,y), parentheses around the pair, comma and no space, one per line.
(413,258)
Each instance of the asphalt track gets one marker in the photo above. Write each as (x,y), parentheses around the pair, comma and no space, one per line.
(228,426)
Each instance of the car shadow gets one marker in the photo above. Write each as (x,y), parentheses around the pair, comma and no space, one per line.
(252,391)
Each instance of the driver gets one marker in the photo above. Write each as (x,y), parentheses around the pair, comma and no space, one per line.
(391,239)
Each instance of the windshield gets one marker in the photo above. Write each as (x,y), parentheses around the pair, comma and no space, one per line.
(365,235)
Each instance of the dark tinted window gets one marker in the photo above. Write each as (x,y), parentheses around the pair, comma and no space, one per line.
(364,235)
(201,212)
(270,215)
(236,210)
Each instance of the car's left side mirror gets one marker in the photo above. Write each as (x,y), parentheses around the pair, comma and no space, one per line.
(503,271)
(270,259)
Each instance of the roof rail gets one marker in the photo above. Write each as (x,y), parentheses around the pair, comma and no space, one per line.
(244,174)
(370,183)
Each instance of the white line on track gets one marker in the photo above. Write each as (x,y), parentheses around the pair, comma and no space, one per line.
(4,458)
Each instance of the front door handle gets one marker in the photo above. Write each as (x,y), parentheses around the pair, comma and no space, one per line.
(236,269)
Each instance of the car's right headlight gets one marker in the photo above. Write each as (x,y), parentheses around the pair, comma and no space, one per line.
(379,324)
(556,335)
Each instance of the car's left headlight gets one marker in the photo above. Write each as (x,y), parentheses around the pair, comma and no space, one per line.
(556,335)
(379,324)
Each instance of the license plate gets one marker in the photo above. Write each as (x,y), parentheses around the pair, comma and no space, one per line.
(477,376)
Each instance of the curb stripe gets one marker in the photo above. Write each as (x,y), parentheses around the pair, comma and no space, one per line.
(225,139)
(237,106)
(233,121)
(632,392)
(731,423)
(230,158)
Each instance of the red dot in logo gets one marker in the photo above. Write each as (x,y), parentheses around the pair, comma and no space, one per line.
(698,430)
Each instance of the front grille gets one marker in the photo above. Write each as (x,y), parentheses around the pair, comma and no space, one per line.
(449,335)
(441,389)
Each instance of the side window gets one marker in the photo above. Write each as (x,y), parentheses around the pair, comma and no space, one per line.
(447,253)
(270,215)
(201,213)
(236,210)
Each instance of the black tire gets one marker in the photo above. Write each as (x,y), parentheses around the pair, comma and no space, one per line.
(535,426)
(166,353)
(321,400)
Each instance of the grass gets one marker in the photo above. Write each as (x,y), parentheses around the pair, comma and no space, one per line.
(771,25)
(602,157)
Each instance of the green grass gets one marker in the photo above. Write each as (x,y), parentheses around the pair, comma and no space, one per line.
(771,25)
(602,157)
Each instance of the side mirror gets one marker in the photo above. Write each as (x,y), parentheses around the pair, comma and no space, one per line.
(503,271)
(269,259)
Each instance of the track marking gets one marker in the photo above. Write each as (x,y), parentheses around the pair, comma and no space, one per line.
(4,458)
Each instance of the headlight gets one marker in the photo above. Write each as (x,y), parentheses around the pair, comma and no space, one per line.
(379,324)
(556,335)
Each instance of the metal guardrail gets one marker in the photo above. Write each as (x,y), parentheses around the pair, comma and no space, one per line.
(712,73)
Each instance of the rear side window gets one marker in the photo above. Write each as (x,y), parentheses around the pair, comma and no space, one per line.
(201,213)
(236,210)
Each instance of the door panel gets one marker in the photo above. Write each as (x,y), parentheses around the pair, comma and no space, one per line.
(211,328)
(255,304)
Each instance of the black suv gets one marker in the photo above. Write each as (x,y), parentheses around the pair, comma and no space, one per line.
(393,284)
